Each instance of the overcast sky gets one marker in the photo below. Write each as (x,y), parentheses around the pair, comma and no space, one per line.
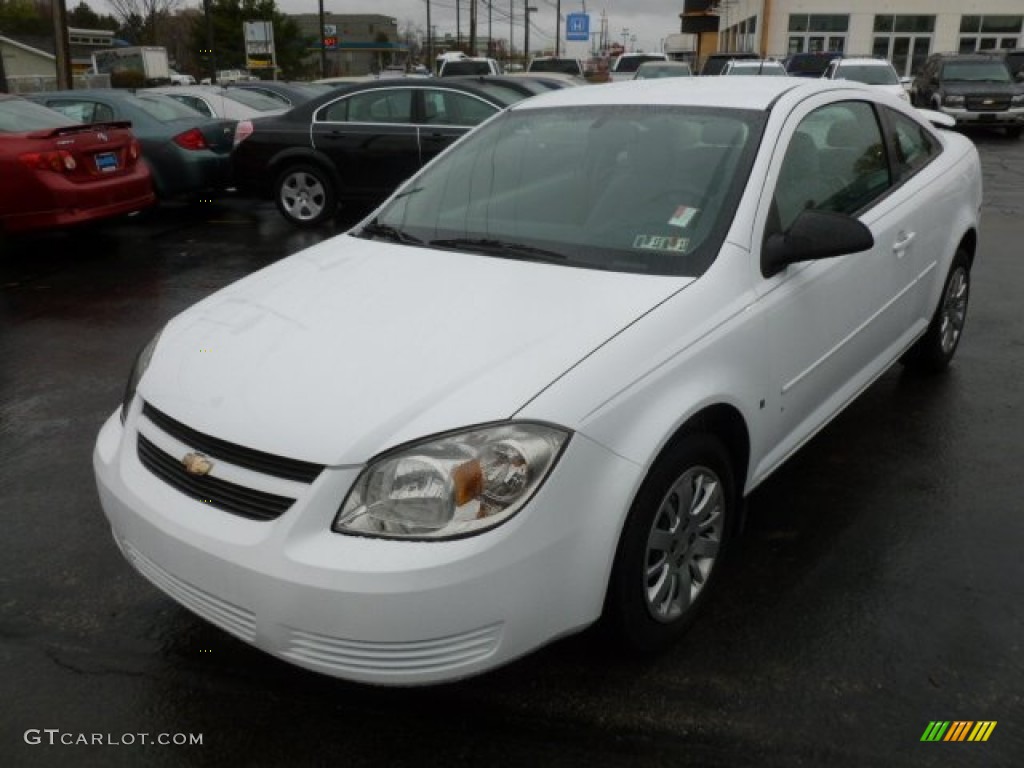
(648,20)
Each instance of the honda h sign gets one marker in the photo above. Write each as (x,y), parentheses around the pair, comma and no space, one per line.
(577,26)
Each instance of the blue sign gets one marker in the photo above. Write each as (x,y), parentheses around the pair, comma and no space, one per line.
(577,26)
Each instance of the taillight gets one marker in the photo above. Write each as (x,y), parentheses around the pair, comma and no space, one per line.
(58,160)
(192,139)
(133,150)
(243,131)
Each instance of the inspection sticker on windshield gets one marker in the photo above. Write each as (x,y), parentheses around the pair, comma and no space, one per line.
(683,216)
(661,243)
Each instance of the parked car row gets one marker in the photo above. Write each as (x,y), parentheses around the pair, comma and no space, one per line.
(312,148)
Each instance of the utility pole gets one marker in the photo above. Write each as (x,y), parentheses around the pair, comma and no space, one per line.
(511,30)
(458,24)
(526,35)
(490,32)
(430,41)
(472,27)
(558,26)
(62,46)
(323,48)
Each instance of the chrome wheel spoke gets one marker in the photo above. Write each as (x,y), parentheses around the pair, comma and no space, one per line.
(683,543)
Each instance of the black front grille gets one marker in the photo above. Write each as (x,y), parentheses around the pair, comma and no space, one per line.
(994,103)
(267,463)
(255,505)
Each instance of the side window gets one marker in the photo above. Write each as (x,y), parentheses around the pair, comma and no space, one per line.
(192,102)
(82,111)
(102,113)
(913,144)
(393,105)
(454,108)
(835,161)
(336,112)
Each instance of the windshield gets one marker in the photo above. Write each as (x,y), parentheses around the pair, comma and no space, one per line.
(624,188)
(632,63)
(976,72)
(161,107)
(466,68)
(568,66)
(652,71)
(767,68)
(258,101)
(870,74)
(18,116)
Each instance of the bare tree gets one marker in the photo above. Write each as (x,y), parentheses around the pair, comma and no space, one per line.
(131,12)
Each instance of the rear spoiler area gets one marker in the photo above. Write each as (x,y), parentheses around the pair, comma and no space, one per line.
(68,130)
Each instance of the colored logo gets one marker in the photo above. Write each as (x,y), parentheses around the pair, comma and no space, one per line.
(958,730)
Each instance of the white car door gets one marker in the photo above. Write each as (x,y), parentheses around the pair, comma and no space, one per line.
(833,324)
(922,186)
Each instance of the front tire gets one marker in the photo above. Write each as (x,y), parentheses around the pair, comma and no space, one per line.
(933,352)
(672,544)
(305,195)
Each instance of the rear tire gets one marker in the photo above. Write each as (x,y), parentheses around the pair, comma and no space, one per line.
(933,352)
(672,544)
(305,195)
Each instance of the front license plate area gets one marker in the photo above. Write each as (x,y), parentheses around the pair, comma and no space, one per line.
(106,162)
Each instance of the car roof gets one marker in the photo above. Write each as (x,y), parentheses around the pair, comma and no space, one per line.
(713,92)
(863,61)
(304,110)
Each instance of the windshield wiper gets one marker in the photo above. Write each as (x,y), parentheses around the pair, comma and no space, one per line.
(387,232)
(488,245)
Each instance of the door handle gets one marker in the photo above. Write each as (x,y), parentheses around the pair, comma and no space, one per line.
(903,240)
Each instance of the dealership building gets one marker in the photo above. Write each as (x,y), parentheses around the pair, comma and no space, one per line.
(903,31)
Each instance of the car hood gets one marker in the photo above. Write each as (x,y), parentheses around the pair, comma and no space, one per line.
(353,346)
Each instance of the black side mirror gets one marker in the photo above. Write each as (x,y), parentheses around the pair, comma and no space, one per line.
(814,235)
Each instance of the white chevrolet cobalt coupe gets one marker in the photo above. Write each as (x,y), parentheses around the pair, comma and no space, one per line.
(531,390)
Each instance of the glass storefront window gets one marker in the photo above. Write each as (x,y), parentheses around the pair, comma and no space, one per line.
(829,23)
(914,24)
(997,24)
(970,23)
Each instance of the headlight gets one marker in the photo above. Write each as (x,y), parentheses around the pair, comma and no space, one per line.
(1018,100)
(139,368)
(953,101)
(454,485)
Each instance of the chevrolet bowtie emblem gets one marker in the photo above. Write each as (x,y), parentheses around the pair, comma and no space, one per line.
(197,464)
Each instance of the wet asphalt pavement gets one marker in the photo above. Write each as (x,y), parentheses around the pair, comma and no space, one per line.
(879,584)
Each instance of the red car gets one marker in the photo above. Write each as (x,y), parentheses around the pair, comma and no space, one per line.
(55,172)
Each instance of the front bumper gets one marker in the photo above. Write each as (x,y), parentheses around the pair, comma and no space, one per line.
(374,610)
(1007,117)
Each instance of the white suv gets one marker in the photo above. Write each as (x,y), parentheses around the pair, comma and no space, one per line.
(625,67)
(470,66)
(875,72)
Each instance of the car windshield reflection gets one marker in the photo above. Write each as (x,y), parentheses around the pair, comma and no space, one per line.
(624,188)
